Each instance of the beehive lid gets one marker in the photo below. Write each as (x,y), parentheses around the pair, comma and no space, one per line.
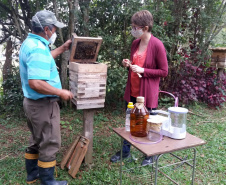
(84,49)
(218,49)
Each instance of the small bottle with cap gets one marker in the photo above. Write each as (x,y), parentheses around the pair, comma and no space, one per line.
(128,111)
(138,118)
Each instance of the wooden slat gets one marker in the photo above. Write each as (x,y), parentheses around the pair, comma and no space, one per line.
(216,59)
(82,95)
(79,154)
(90,100)
(88,68)
(87,106)
(223,49)
(68,153)
(88,85)
(75,76)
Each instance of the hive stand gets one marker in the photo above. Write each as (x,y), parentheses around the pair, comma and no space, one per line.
(87,80)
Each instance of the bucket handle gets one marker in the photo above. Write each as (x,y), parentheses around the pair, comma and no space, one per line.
(175,98)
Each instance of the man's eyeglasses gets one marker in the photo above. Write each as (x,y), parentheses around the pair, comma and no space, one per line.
(136,27)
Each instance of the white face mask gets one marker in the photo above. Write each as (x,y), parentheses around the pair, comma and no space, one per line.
(137,33)
(52,39)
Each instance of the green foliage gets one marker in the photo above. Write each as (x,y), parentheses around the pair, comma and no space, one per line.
(185,27)
(65,124)
(12,98)
(112,23)
(220,39)
(116,82)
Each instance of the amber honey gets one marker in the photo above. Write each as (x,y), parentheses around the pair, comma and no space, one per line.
(138,124)
(138,119)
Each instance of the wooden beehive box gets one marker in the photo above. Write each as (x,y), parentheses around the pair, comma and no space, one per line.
(218,58)
(87,78)
(84,49)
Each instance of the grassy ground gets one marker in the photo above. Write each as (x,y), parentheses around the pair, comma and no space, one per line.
(208,124)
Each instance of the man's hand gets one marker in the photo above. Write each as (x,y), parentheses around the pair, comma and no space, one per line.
(67,44)
(61,49)
(65,94)
(126,62)
(137,69)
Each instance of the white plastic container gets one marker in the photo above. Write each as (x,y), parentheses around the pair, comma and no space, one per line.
(178,118)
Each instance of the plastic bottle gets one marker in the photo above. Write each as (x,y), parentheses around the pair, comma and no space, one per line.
(130,106)
(138,118)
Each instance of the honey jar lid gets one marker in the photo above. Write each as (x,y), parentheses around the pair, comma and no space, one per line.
(140,99)
(155,121)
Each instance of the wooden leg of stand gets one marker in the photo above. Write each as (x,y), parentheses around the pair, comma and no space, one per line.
(88,117)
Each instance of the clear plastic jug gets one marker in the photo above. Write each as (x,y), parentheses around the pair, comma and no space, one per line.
(178,116)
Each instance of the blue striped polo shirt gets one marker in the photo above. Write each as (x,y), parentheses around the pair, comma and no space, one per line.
(36,62)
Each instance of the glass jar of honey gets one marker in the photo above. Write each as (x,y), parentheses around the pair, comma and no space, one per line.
(138,118)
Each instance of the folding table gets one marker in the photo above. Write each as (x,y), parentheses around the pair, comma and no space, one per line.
(167,145)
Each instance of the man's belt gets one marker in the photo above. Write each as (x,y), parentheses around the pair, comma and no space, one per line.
(50,99)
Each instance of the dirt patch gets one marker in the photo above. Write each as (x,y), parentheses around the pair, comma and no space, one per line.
(2,127)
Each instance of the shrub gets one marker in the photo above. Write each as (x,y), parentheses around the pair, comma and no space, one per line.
(199,84)
(116,82)
(12,98)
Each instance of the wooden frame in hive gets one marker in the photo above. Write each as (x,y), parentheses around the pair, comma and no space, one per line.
(84,49)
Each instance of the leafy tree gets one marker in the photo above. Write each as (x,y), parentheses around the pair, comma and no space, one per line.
(186,27)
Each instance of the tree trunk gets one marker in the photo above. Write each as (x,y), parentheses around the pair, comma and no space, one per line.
(73,7)
(84,5)
(7,67)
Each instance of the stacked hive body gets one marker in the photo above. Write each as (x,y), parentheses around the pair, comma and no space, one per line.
(218,58)
(88,84)
(87,78)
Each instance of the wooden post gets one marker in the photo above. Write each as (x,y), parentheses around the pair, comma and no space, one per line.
(88,117)
(220,73)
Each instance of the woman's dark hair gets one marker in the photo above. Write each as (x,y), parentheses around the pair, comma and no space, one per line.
(143,18)
(36,28)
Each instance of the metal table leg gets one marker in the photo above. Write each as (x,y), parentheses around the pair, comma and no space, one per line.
(193,167)
(156,168)
(121,161)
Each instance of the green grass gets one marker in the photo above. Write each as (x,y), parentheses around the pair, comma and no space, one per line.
(208,124)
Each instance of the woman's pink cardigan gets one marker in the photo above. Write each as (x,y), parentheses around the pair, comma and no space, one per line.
(155,66)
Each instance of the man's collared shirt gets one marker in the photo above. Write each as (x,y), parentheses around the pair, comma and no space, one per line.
(37,63)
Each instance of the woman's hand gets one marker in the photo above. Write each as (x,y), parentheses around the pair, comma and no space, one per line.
(126,62)
(137,69)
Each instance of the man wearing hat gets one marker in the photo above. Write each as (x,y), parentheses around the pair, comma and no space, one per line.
(42,89)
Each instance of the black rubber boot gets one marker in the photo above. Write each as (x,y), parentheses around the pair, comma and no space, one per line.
(32,170)
(46,177)
(31,161)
